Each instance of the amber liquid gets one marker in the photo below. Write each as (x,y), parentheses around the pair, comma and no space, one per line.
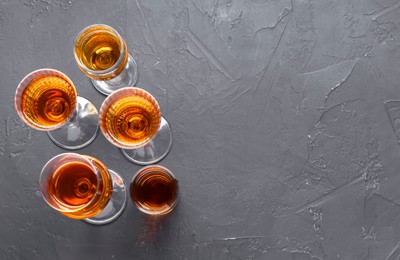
(73,184)
(155,190)
(48,101)
(99,49)
(132,119)
(76,185)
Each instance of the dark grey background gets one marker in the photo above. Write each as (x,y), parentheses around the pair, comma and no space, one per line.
(285,142)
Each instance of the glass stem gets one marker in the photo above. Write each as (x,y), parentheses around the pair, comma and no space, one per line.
(80,130)
(127,78)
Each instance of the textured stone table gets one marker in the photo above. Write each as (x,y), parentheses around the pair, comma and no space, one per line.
(286,123)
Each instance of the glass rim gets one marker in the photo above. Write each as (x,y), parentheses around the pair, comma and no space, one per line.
(103,111)
(115,65)
(22,86)
(72,208)
(152,166)
(159,212)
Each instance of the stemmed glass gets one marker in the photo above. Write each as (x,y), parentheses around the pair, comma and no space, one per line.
(102,55)
(81,187)
(154,190)
(46,99)
(130,118)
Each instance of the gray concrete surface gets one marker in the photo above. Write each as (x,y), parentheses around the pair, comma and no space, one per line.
(286,120)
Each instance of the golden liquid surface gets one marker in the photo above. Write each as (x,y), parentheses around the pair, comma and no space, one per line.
(154,189)
(99,50)
(48,101)
(132,120)
(75,184)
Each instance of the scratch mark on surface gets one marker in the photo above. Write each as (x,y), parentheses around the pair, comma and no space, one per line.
(212,22)
(327,68)
(271,57)
(235,98)
(238,238)
(216,240)
(265,72)
(386,10)
(342,104)
(92,245)
(392,108)
(209,54)
(394,254)
(201,11)
(388,200)
(150,40)
(283,15)
(324,198)
(342,81)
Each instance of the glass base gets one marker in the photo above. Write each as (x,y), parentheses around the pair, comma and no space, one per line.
(127,78)
(80,130)
(155,150)
(115,206)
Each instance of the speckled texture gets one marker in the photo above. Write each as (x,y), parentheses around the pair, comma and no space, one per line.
(286,123)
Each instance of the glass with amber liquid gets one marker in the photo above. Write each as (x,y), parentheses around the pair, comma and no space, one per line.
(154,190)
(130,118)
(81,187)
(102,55)
(46,99)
